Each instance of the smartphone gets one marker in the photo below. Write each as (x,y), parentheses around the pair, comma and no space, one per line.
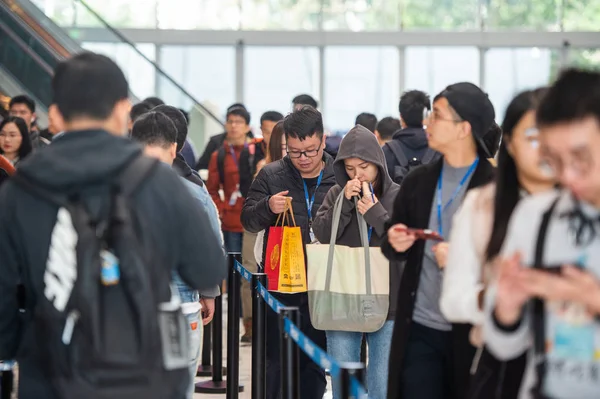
(552,269)
(423,234)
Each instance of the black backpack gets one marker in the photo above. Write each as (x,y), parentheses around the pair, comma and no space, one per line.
(405,165)
(100,330)
(221,153)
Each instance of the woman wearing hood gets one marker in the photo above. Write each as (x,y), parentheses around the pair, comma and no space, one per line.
(361,172)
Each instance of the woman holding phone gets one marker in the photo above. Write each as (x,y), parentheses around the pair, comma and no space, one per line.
(361,174)
(478,234)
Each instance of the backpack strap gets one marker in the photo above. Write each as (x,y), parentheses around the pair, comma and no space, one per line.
(135,173)
(221,164)
(539,319)
(396,148)
(429,156)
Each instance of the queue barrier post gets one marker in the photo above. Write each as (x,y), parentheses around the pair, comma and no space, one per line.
(259,338)
(290,355)
(233,328)
(216,385)
(348,371)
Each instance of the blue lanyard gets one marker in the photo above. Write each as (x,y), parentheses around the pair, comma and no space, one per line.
(310,202)
(232,152)
(441,209)
(373,198)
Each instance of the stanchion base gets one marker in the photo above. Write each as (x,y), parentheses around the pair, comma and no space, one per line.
(214,387)
(206,371)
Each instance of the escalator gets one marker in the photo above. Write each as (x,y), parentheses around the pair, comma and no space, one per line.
(32,44)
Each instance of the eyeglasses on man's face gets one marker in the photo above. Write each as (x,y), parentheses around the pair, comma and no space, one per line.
(308,153)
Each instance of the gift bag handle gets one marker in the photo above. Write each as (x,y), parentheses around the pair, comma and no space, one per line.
(284,216)
(364,237)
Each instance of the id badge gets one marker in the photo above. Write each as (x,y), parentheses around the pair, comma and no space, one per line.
(110,274)
(574,333)
(235,196)
(313,239)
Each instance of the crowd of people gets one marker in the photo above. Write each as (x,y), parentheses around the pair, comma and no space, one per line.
(113,247)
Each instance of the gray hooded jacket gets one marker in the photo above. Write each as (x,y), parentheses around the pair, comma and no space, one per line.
(360,143)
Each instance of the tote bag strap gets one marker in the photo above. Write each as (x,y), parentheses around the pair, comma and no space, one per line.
(362,226)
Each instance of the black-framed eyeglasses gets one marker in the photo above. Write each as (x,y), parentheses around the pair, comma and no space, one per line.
(307,154)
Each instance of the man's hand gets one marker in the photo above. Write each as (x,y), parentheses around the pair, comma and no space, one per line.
(208,310)
(278,202)
(441,253)
(512,292)
(368,199)
(400,239)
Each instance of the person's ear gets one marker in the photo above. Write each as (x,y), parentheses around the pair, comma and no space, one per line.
(323,142)
(121,112)
(57,119)
(173,151)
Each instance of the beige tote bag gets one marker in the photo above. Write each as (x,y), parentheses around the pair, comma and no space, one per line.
(348,288)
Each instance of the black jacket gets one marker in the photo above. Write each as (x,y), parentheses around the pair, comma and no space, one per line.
(414,144)
(412,208)
(360,143)
(87,163)
(184,170)
(213,145)
(277,177)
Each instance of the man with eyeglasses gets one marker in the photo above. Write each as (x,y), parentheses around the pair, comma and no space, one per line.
(305,175)
(546,300)
(432,356)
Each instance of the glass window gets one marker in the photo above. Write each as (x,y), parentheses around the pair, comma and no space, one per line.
(361,15)
(431,69)
(207,14)
(509,71)
(119,13)
(280,14)
(522,14)
(360,79)
(275,75)
(440,14)
(582,15)
(585,58)
(139,72)
(206,72)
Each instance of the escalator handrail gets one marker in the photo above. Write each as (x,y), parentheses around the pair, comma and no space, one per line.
(48,40)
(156,66)
(36,58)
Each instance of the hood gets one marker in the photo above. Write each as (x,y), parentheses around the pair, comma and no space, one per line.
(361,143)
(414,138)
(79,159)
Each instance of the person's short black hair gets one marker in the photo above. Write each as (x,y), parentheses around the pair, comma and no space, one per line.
(236,105)
(387,127)
(272,116)
(492,139)
(88,85)
(303,123)
(138,110)
(574,96)
(26,147)
(305,99)
(22,99)
(178,119)
(367,120)
(153,101)
(154,128)
(412,105)
(239,111)
(186,115)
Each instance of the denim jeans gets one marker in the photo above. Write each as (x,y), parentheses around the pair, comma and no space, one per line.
(233,241)
(344,346)
(195,329)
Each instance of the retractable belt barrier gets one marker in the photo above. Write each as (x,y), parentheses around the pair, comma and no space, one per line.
(314,352)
